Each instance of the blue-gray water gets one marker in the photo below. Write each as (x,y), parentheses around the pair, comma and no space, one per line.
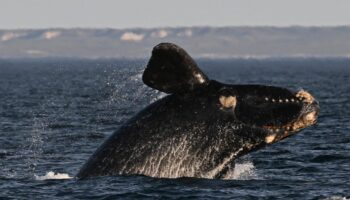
(54,114)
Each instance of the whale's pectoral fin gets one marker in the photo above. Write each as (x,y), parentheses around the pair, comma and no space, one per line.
(171,70)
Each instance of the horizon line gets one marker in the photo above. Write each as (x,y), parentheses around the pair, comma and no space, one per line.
(174,27)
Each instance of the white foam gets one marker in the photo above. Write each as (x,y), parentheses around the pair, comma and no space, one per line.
(137,77)
(159,95)
(242,171)
(223,164)
(336,198)
(53,176)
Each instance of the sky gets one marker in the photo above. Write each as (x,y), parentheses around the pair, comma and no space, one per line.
(16,14)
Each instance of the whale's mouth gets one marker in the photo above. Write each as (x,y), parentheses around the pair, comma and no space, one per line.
(307,117)
(279,111)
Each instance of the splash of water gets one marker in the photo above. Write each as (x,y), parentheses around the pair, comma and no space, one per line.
(36,144)
(52,176)
(158,95)
(244,171)
(130,90)
(336,198)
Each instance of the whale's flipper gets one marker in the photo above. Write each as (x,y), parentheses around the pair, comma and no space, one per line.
(172,70)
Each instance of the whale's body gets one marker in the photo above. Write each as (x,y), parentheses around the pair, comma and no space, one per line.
(201,127)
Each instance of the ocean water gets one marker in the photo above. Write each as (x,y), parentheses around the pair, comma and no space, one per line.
(55,113)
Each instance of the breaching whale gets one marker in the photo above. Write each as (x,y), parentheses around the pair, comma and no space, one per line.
(202,126)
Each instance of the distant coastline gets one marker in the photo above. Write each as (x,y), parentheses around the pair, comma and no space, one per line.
(201,42)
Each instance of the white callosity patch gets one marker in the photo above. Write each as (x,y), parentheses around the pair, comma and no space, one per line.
(52,175)
(305,96)
(200,78)
(228,102)
(133,37)
(270,138)
(311,117)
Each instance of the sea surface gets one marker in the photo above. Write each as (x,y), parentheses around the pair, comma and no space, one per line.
(55,113)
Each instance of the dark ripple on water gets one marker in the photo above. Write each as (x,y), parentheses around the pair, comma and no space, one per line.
(54,114)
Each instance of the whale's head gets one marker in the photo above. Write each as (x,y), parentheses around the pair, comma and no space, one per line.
(276,111)
(279,111)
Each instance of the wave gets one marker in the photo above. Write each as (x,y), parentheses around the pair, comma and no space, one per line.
(242,171)
(336,198)
(52,176)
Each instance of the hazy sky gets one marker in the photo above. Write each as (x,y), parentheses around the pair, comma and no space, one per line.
(154,13)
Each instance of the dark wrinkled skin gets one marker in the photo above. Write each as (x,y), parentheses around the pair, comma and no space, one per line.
(190,133)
